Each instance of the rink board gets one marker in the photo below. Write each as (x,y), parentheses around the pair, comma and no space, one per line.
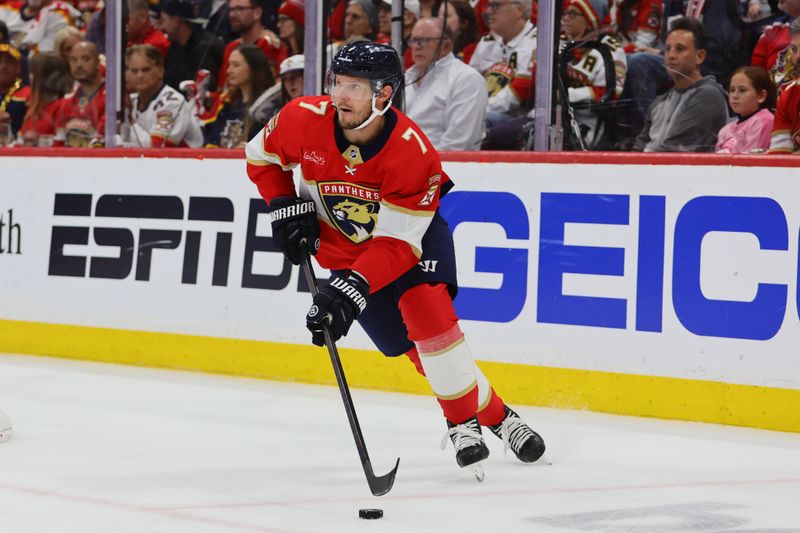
(602,282)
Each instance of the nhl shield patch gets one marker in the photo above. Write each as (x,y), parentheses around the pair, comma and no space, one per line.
(351,208)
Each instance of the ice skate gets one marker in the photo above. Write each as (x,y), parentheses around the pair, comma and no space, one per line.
(526,444)
(470,448)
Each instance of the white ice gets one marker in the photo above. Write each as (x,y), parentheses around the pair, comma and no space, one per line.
(115,449)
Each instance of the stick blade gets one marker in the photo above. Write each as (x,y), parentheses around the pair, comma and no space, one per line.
(380,485)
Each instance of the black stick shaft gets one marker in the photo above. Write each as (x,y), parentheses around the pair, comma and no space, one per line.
(379,485)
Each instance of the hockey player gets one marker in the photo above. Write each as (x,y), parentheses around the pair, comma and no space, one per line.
(368,208)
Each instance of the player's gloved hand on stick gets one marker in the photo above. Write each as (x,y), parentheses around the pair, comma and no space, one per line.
(339,302)
(294,221)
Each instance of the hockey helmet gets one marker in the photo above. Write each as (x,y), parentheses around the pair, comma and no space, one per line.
(376,62)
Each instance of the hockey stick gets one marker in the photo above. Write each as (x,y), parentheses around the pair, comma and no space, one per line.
(379,485)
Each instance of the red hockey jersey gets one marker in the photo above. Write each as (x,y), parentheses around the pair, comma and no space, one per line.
(374,202)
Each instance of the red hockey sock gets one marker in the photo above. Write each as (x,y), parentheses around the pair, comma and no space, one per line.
(493,412)
(413,354)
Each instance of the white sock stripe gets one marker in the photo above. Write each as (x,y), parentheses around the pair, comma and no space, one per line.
(450,373)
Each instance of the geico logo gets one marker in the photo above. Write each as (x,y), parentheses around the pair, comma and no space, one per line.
(139,243)
(759,318)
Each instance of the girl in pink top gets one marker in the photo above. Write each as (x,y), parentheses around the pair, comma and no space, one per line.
(751,95)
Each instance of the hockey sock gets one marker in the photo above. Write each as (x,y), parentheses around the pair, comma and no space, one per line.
(413,355)
(444,356)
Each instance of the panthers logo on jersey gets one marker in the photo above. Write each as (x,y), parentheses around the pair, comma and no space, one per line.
(351,208)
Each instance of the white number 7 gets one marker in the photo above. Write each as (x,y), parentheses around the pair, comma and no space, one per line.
(411,133)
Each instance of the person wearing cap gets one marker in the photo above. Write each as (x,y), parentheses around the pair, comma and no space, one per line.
(361,21)
(586,78)
(445,97)
(245,20)
(13,96)
(191,47)
(141,29)
(229,123)
(291,26)
(291,86)
(410,17)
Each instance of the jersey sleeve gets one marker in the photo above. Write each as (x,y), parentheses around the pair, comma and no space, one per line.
(409,199)
(782,141)
(275,151)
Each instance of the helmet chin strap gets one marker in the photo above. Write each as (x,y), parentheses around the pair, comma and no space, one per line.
(375,112)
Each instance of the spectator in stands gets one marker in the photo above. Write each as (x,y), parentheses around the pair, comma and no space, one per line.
(51,17)
(273,99)
(638,24)
(160,116)
(50,81)
(586,77)
(291,26)
(505,59)
(786,130)
(245,19)
(444,97)
(81,115)
(13,93)
(230,124)
(461,20)
(689,116)
(410,17)
(65,39)
(776,36)
(752,97)
(191,47)
(787,66)
(141,29)
(96,30)
(361,21)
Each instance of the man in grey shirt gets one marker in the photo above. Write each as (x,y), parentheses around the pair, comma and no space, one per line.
(689,116)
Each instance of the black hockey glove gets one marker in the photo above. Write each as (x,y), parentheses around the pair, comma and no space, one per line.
(294,221)
(339,302)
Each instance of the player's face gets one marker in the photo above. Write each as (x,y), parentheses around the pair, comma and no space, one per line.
(353,100)
(293,83)
(143,74)
(238,70)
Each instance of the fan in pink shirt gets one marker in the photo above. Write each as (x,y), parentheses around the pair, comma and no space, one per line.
(752,96)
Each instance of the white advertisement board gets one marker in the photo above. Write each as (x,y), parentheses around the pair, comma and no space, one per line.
(675,271)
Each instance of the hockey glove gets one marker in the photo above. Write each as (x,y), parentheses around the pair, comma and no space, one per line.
(339,303)
(294,221)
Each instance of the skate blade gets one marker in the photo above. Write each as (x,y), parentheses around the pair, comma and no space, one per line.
(477,471)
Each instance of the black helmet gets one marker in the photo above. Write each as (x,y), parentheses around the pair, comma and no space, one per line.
(376,62)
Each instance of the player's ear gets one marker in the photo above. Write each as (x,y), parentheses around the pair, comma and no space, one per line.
(385,93)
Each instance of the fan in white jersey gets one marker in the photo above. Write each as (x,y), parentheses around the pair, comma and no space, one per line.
(160,116)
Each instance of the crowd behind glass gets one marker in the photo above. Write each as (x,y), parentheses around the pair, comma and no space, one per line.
(634,75)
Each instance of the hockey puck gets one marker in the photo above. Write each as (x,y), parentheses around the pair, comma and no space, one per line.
(370,514)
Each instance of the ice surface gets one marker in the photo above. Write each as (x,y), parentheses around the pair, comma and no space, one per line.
(105,448)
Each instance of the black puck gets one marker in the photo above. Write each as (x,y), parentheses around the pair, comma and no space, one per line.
(370,514)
